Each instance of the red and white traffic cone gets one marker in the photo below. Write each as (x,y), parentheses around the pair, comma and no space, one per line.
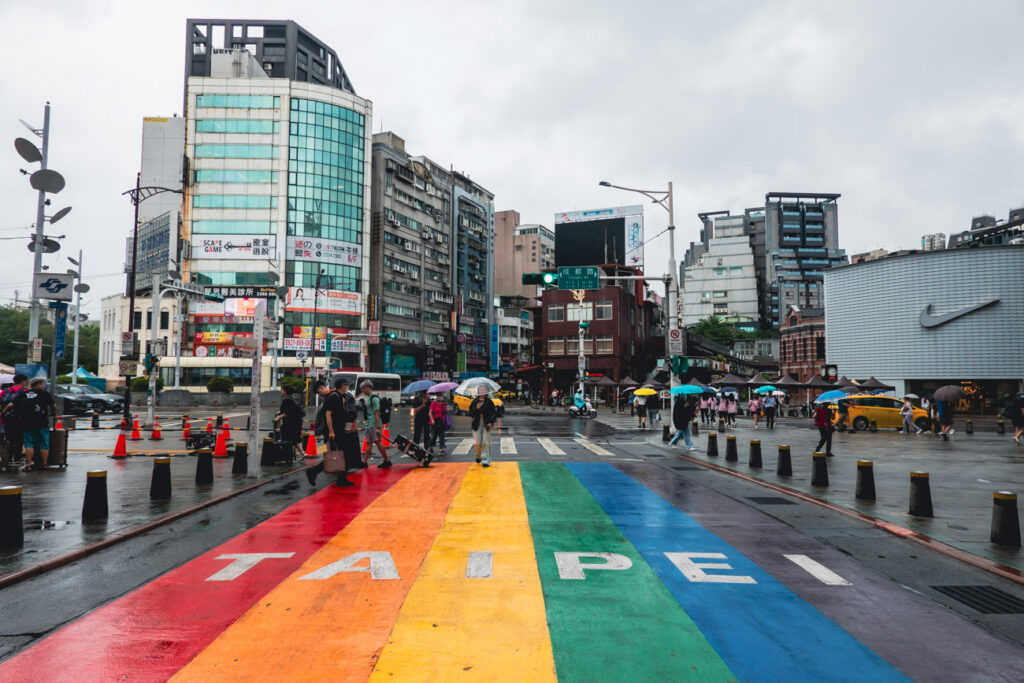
(156,435)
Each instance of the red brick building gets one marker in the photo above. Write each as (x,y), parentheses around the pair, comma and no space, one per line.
(802,343)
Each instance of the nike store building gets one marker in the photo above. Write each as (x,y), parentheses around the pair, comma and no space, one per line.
(925,319)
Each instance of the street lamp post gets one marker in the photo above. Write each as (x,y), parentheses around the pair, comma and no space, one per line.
(663,198)
(80,289)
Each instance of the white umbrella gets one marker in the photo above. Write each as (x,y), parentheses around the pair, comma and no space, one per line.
(911,396)
(778,393)
(470,386)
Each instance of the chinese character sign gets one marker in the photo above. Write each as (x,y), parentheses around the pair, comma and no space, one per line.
(234,247)
(334,252)
(302,299)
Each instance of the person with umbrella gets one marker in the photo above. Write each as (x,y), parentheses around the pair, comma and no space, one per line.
(483,413)
(682,413)
(420,418)
(640,401)
(944,397)
(823,421)
(769,411)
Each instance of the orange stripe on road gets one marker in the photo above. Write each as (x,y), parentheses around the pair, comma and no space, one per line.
(334,628)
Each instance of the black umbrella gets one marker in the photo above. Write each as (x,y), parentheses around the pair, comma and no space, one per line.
(950,392)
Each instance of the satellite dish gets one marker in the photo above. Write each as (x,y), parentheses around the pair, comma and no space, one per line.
(60,214)
(47,180)
(49,246)
(27,150)
(81,288)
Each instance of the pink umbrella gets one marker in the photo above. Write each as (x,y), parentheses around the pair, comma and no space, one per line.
(443,386)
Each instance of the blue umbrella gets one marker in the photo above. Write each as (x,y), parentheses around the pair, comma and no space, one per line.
(830,396)
(729,390)
(710,390)
(418,385)
(687,389)
(765,389)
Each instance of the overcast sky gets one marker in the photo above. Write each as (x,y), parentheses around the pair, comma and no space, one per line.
(911,110)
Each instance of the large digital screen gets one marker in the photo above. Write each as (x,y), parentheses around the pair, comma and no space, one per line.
(600,236)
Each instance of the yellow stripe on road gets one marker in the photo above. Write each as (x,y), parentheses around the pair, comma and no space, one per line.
(476,610)
(593,447)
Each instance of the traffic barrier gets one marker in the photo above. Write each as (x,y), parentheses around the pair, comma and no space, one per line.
(694,429)
(136,434)
(865,480)
(12,525)
(95,421)
(220,421)
(204,466)
(184,422)
(94,507)
(755,454)
(209,425)
(721,425)
(874,426)
(665,436)
(227,430)
(221,449)
(713,445)
(920,495)
(60,423)
(730,449)
(241,463)
(386,436)
(311,446)
(784,468)
(120,448)
(1005,522)
(819,473)
(70,424)
(1000,426)
(160,485)
(969,427)
(155,434)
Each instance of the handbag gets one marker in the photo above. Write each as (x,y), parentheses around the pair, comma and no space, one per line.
(447,420)
(334,462)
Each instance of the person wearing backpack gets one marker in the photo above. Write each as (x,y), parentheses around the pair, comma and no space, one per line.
(440,422)
(289,420)
(35,407)
(374,422)
(12,420)
(337,427)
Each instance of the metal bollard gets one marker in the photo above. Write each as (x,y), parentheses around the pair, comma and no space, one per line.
(12,525)
(1000,426)
(241,463)
(220,421)
(920,495)
(969,427)
(785,466)
(69,423)
(694,428)
(865,480)
(204,466)
(819,473)
(713,445)
(95,421)
(1005,522)
(730,449)
(664,433)
(755,454)
(160,485)
(94,507)
(874,426)
(721,425)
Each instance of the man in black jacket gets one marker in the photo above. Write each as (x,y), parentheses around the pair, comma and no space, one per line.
(484,413)
(334,428)
(682,414)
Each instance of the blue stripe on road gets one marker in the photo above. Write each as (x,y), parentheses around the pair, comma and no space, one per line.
(762,630)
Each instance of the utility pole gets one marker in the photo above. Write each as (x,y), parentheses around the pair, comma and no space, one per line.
(37,262)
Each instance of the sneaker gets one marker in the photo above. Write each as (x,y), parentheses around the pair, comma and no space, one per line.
(691,448)
(344,482)
(311,477)
(945,437)
(384,465)
(487,464)
(478,459)
(1017,441)
(952,431)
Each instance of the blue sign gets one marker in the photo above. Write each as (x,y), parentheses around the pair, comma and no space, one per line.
(31,370)
(387,358)
(494,347)
(61,330)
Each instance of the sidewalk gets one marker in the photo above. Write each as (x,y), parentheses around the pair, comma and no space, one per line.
(963,474)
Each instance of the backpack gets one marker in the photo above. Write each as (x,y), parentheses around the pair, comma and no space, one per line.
(349,405)
(385,410)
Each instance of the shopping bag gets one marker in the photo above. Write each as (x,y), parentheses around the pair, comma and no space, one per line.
(334,462)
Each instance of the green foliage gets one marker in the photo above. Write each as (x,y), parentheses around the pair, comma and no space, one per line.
(220,385)
(14,328)
(716,329)
(140,384)
(294,385)
(63,379)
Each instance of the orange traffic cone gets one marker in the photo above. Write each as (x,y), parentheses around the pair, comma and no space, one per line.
(124,424)
(186,431)
(311,446)
(209,425)
(59,425)
(221,449)
(386,437)
(136,434)
(227,430)
(120,450)
(155,435)
(366,445)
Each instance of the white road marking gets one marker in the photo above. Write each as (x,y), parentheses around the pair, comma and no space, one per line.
(817,570)
(508,446)
(463,447)
(550,446)
(243,562)
(593,447)
(570,567)
(694,571)
(480,564)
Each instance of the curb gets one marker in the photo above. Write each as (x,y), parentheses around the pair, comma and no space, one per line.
(1001,570)
(130,533)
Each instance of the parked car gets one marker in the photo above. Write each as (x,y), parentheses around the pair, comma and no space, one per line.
(883,410)
(76,403)
(99,401)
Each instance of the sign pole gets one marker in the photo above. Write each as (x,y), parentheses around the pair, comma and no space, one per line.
(254,397)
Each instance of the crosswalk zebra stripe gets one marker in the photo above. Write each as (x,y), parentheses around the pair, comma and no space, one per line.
(508,445)
(592,447)
(463,447)
(550,446)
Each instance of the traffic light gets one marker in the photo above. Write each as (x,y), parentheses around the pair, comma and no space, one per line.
(542,279)
(391,335)
(150,362)
(831,373)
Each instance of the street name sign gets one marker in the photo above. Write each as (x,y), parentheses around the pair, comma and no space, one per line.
(579,277)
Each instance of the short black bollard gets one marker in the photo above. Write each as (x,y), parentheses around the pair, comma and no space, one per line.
(94,507)
(721,425)
(920,495)
(1000,426)
(694,428)
(1005,522)
(874,426)
(865,480)
(160,485)
(785,466)
(95,421)
(969,427)
(665,436)
(241,463)
(220,421)
(730,449)
(755,454)
(268,453)
(819,473)
(184,422)
(713,445)
(12,525)
(204,466)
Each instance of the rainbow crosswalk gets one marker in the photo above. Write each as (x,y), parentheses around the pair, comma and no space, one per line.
(523,571)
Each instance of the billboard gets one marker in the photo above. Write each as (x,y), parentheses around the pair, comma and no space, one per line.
(301,299)
(235,247)
(317,250)
(600,236)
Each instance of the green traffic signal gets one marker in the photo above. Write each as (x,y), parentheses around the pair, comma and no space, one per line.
(550,279)
(544,279)
(391,335)
(584,325)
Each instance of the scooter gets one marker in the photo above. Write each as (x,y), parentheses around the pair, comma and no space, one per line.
(585,410)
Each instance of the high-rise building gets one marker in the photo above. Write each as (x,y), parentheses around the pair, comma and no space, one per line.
(987,231)
(525,249)
(933,241)
(722,281)
(473,226)
(278,151)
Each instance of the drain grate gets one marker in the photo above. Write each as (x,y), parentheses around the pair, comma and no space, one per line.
(770,500)
(984,599)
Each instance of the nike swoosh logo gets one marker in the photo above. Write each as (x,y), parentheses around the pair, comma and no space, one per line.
(929,320)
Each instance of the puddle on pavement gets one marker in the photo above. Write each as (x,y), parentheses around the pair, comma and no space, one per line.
(45,524)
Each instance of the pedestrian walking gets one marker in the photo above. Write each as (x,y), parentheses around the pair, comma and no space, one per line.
(641,410)
(654,410)
(373,423)
(682,414)
(769,412)
(11,420)
(1017,418)
(755,410)
(483,413)
(34,408)
(823,421)
(945,419)
(907,411)
(440,422)
(704,417)
(338,415)
(420,419)
(843,415)
(288,420)
(731,408)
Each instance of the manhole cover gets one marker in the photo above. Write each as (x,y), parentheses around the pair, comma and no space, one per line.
(770,500)
(984,599)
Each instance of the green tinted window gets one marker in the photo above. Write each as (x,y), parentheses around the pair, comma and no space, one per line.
(233,201)
(236,152)
(233,227)
(235,176)
(238,101)
(236,126)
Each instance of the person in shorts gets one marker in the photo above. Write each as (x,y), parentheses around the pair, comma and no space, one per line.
(334,429)
(35,407)
(373,423)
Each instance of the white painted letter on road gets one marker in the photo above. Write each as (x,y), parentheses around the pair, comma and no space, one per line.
(381,566)
(569,566)
(694,571)
(243,562)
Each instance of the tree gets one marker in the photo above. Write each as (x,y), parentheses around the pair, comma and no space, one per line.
(716,329)
(14,335)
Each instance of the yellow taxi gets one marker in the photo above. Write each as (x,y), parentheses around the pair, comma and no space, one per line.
(462,403)
(883,410)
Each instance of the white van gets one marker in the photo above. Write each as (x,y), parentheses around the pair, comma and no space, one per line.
(385,385)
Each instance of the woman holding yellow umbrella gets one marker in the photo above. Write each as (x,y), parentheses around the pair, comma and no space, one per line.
(641,404)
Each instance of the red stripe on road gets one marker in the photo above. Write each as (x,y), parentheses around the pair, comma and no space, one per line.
(150,633)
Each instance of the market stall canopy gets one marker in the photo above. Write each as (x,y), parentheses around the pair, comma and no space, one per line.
(818,382)
(787,382)
(844,381)
(758,380)
(732,380)
(628,381)
(605,382)
(875,384)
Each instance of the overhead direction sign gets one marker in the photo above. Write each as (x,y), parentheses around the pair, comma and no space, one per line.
(579,277)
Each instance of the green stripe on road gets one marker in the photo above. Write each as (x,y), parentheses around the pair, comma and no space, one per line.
(612,624)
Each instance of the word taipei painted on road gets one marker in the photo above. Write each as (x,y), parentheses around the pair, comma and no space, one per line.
(525,571)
